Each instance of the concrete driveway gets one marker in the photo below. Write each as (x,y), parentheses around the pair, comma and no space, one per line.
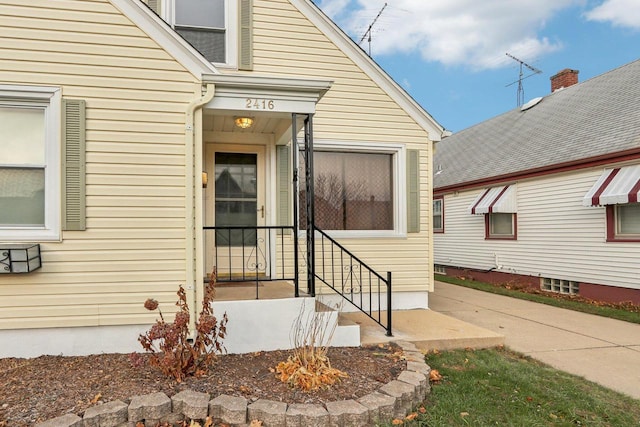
(602,350)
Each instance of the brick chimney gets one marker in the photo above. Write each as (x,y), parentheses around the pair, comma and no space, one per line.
(564,78)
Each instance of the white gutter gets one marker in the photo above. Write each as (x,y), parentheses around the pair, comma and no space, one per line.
(193,286)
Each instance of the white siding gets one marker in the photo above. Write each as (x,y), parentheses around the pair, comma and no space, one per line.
(557,236)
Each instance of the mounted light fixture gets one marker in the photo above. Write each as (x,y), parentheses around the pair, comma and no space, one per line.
(19,258)
(205,179)
(243,122)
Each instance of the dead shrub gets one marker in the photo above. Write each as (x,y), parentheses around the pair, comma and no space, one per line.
(172,349)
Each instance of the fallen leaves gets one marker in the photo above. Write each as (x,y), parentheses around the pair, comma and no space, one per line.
(207,423)
(434,376)
(411,416)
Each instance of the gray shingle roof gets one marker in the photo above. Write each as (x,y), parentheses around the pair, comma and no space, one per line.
(597,117)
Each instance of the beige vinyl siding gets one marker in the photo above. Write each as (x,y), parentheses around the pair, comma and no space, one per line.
(557,236)
(136,96)
(286,43)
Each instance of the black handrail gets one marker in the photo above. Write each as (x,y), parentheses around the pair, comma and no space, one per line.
(339,269)
(252,245)
(354,274)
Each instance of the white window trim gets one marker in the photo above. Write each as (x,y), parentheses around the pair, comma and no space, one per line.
(168,9)
(50,98)
(399,188)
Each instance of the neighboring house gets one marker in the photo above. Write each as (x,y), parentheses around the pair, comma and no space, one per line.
(547,194)
(115,114)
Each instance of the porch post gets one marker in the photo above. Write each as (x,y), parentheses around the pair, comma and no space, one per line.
(294,168)
(311,261)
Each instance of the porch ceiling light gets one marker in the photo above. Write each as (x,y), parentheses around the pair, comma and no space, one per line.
(243,122)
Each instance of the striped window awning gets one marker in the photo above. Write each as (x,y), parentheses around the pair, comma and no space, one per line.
(495,200)
(615,186)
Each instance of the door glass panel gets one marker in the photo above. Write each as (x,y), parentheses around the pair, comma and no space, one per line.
(236,198)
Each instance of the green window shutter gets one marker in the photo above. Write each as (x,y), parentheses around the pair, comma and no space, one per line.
(155,6)
(413,191)
(73,164)
(245,44)
(283,197)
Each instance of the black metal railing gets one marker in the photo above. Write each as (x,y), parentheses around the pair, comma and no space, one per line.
(354,280)
(253,254)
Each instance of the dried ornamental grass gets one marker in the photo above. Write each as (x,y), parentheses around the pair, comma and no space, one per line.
(309,368)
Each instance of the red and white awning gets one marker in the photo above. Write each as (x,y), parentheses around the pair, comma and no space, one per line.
(495,200)
(615,186)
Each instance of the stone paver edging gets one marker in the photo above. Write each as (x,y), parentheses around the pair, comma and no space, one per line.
(393,400)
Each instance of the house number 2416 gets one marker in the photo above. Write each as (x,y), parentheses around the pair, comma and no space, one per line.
(259,104)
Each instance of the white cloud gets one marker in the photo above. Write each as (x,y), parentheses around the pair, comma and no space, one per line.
(333,8)
(623,13)
(472,33)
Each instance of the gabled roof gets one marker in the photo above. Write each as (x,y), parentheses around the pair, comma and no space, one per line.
(163,34)
(596,119)
(200,67)
(370,67)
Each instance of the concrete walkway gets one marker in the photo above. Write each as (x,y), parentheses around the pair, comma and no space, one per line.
(600,349)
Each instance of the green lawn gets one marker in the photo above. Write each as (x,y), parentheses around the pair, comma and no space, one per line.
(626,312)
(499,387)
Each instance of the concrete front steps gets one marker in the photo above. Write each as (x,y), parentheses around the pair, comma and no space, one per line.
(266,324)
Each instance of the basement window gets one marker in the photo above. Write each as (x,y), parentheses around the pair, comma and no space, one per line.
(566,287)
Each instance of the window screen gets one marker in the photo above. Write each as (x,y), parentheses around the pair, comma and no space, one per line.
(353,191)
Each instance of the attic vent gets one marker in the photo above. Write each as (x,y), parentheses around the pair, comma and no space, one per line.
(531,103)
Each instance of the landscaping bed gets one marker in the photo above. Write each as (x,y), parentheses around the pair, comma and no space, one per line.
(37,389)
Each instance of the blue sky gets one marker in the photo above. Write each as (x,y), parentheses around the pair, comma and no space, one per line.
(450,55)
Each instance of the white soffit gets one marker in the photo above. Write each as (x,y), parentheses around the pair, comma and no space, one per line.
(260,94)
(495,200)
(615,186)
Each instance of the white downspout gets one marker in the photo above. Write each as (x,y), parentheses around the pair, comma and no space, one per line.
(193,285)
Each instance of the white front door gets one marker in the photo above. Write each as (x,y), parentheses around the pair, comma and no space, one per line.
(239,201)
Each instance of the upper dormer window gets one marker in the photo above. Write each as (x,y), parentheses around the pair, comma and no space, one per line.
(203,23)
(210,26)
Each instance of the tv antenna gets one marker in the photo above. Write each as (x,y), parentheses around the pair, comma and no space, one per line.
(367,33)
(521,78)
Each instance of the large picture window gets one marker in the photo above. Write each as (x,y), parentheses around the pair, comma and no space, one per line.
(355,191)
(29,163)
